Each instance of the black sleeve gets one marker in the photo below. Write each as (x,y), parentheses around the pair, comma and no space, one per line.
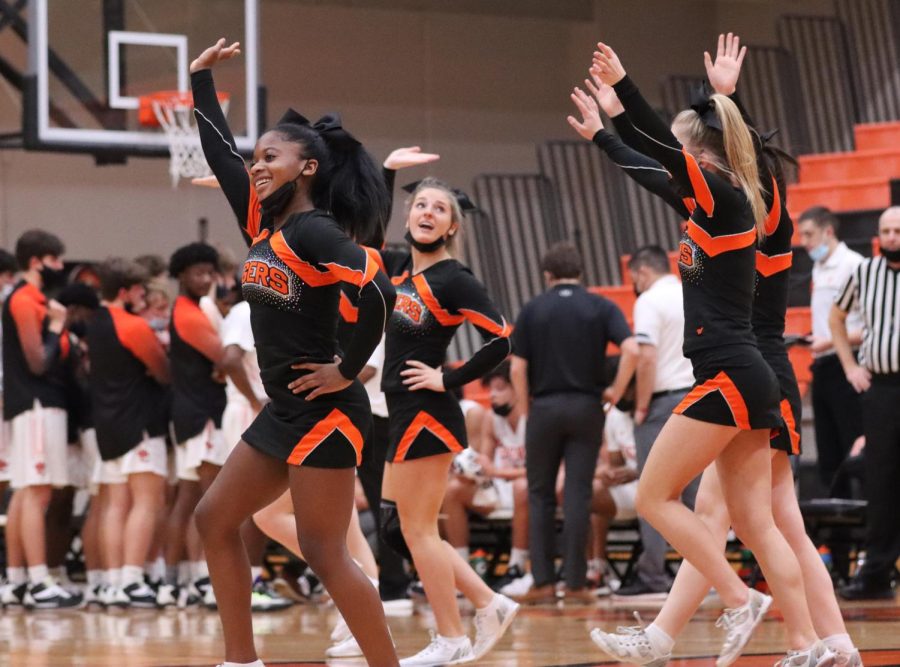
(645,171)
(467,297)
(629,136)
(221,154)
(331,250)
(616,327)
(662,145)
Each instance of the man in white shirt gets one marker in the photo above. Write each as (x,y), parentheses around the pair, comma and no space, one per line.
(664,377)
(837,411)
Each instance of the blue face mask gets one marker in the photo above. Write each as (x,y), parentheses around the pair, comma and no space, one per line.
(819,252)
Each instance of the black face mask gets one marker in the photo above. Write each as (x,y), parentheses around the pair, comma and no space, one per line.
(275,203)
(52,280)
(434,246)
(891,255)
(502,410)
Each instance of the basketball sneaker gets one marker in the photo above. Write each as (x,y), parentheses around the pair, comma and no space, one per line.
(630,644)
(140,595)
(114,596)
(167,596)
(348,648)
(12,595)
(491,623)
(49,595)
(442,651)
(265,598)
(93,595)
(739,624)
(818,655)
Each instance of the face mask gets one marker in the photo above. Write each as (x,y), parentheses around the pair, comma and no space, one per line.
(425,247)
(158,323)
(502,410)
(275,203)
(53,279)
(891,255)
(819,252)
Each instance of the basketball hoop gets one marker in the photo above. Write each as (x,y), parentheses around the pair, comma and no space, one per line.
(174,112)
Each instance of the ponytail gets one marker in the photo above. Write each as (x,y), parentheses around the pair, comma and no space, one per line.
(348,184)
(741,157)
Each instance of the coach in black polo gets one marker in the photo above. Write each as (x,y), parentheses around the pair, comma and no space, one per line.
(875,287)
(559,353)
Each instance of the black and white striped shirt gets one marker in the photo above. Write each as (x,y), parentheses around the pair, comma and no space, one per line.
(875,288)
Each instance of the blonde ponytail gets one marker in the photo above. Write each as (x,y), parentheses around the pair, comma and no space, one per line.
(741,157)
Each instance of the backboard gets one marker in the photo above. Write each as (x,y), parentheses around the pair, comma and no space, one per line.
(90,60)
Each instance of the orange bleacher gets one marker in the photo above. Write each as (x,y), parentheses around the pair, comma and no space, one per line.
(850,181)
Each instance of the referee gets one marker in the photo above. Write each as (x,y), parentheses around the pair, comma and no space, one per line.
(875,287)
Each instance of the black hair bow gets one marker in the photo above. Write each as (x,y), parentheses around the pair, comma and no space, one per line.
(466,205)
(705,107)
(328,127)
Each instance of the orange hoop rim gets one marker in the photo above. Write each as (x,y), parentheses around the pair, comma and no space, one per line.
(168,98)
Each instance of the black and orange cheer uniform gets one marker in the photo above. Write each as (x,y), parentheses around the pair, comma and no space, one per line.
(773,261)
(717,261)
(125,399)
(292,280)
(198,396)
(431,306)
(25,322)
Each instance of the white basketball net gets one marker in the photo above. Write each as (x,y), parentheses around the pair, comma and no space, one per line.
(176,117)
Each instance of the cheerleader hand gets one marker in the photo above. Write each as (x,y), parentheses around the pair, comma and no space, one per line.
(215,54)
(607,65)
(401,158)
(321,379)
(423,376)
(723,74)
(590,114)
(605,95)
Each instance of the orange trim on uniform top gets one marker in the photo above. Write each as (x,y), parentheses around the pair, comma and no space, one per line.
(502,329)
(702,193)
(423,421)
(690,204)
(335,421)
(769,265)
(262,236)
(716,245)
(306,271)
(774,215)
(787,414)
(723,384)
(349,312)
(354,276)
(254,215)
(376,257)
(431,302)
(397,280)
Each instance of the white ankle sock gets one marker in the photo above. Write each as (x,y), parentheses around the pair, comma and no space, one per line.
(94,578)
(200,569)
(114,577)
(132,574)
(518,557)
(17,575)
(840,642)
(38,574)
(659,639)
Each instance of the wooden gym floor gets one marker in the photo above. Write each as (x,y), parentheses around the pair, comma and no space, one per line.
(542,636)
